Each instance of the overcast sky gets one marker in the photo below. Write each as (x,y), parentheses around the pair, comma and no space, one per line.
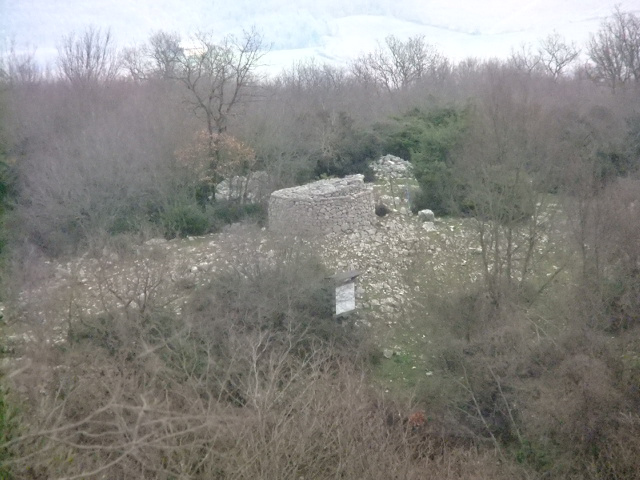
(328,30)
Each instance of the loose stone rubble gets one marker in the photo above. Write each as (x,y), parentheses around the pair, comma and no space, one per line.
(345,233)
(253,188)
(390,166)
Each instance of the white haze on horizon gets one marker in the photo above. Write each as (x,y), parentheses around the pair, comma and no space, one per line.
(333,31)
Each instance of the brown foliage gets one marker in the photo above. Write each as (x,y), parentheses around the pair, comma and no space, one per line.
(232,157)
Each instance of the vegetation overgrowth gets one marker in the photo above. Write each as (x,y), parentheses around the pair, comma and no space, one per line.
(519,340)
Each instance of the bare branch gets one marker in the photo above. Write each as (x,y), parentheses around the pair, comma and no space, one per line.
(525,59)
(556,55)
(615,50)
(399,64)
(88,58)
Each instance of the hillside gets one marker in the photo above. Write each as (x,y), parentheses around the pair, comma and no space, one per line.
(158,325)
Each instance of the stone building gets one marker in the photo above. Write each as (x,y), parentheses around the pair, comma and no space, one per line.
(326,206)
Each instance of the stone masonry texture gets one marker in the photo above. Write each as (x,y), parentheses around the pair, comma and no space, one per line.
(339,205)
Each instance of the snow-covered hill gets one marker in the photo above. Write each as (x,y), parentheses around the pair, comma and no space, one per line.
(330,30)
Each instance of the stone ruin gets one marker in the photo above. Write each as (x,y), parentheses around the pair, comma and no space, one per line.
(251,188)
(338,205)
(392,167)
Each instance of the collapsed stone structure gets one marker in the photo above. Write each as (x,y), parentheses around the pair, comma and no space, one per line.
(391,167)
(252,188)
(322,207)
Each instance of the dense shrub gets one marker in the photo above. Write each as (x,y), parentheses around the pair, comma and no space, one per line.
(440,191)
(429,140)
(227,212)
(291,291)
(185,220)
(190,218)
(349,150)
(502,195)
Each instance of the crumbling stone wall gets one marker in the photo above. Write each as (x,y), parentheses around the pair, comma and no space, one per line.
(322,207)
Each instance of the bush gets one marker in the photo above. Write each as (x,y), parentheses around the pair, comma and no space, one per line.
(191,217)
(227,212)
(502,195)
(185,220)
(8,429)
(467,312)
(127,221)
(401,135)
(429,140)
(350,151)
(381,210)
(289,292)
(439,191)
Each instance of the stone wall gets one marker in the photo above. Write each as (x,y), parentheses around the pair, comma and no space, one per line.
(322,207)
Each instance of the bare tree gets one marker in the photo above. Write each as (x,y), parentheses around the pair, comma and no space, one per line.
(506,172)
(308,75)
(136,63)
(219,77)
(556,54)
(525,59)
(19,67)
(89,57)
(552,56)
(615,50)
(398,64)
(165,51)
(159,58)
(84,154)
